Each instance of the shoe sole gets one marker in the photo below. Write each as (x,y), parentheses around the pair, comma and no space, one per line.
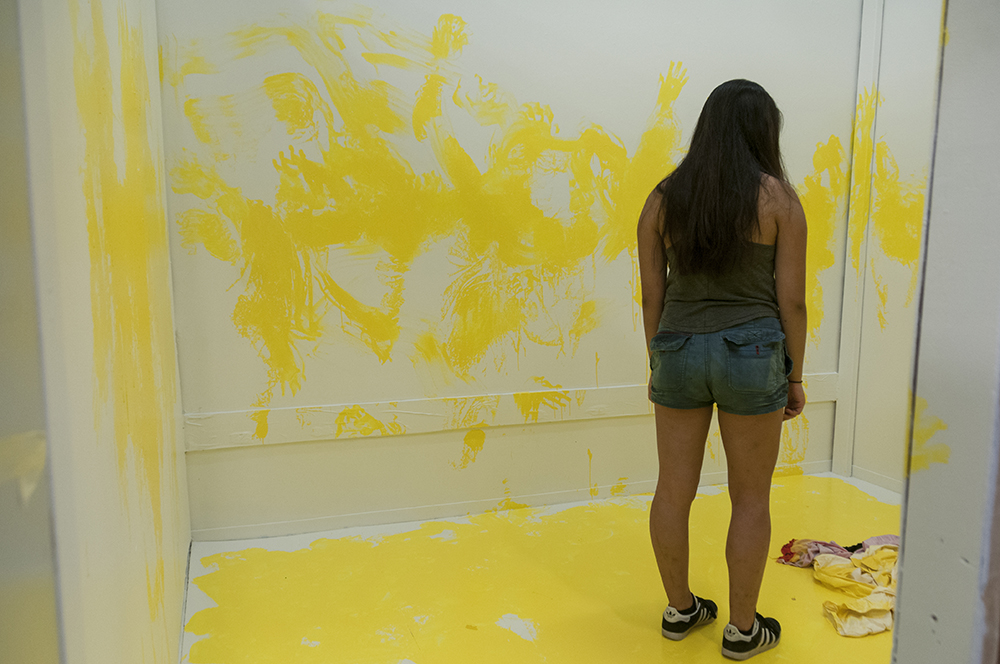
(675,636)
(743,656)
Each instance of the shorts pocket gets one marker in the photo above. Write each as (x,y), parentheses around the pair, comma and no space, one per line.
(755,359)
(668,360)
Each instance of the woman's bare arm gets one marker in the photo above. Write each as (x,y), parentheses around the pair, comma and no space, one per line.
(652,265)
(790,283)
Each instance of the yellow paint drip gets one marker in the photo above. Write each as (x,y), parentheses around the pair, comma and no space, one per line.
(590,471)
(134,360)
(586,321)
(924,452)
(473,445)
(355,421)
(584,579)
(620,488)
(529,403)
(519,273)
(882,292)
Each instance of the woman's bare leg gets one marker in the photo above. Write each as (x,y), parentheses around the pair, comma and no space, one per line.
(752,443)
(680,442)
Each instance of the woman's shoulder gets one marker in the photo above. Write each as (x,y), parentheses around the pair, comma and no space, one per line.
(777,191)
(650,224)
(651,209)
(779,199)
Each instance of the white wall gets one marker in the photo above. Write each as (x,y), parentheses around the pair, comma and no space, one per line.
(119,499)
(953,450)
(28,620)
(885,243)
(322,297)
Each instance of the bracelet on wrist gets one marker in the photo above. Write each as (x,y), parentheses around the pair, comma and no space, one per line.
(797,382)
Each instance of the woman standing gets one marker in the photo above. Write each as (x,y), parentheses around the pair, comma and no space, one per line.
(722,259)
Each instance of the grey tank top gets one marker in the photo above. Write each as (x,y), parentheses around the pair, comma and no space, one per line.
(700,303)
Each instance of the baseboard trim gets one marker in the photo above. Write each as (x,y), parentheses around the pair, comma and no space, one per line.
(890,483)
(275,426)
(460,509)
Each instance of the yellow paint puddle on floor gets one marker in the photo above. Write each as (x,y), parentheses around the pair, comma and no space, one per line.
(563,584)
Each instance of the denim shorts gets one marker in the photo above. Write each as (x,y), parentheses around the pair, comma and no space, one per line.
(744,369)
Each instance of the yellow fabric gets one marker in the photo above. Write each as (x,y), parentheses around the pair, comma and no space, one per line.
(862,616)
(869,577)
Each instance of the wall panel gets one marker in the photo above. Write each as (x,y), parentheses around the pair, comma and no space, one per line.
(394,219)
(97,203)
(902,117)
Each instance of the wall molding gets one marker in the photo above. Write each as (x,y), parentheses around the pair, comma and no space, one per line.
(461,509)
(243,428)
(858,230)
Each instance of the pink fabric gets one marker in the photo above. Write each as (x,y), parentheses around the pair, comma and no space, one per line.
(801,552)
(881,539)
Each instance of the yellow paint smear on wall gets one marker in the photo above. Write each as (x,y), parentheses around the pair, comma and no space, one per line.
(355,421)
(129,273)
(890,205)
(924,452)
(260,418)
(465,412)
(897,215)
(863,148)
(794,443)
(584,579)
(823,195)
(620,488)
(472,446)
(587,320)
(529,403)
(713,445)
(507,503)
(179,61)
(519,274)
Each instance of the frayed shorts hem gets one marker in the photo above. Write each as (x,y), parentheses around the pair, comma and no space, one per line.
(687,405)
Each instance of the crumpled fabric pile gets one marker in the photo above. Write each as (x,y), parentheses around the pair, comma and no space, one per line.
(865,571)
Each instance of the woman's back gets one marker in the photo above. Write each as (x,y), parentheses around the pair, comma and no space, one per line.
(706,302)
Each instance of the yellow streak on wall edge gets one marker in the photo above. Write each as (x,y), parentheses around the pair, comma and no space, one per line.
(861,176)
(129,274)
(924,453)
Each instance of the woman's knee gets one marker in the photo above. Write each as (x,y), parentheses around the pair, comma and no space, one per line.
(750,503)
(670,493)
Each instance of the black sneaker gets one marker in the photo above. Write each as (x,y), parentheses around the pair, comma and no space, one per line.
(676,625)
(765,635)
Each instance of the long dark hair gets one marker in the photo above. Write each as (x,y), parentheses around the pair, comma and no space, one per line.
(710,200)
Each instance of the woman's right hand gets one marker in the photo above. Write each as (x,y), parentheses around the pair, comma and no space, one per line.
(796,400)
